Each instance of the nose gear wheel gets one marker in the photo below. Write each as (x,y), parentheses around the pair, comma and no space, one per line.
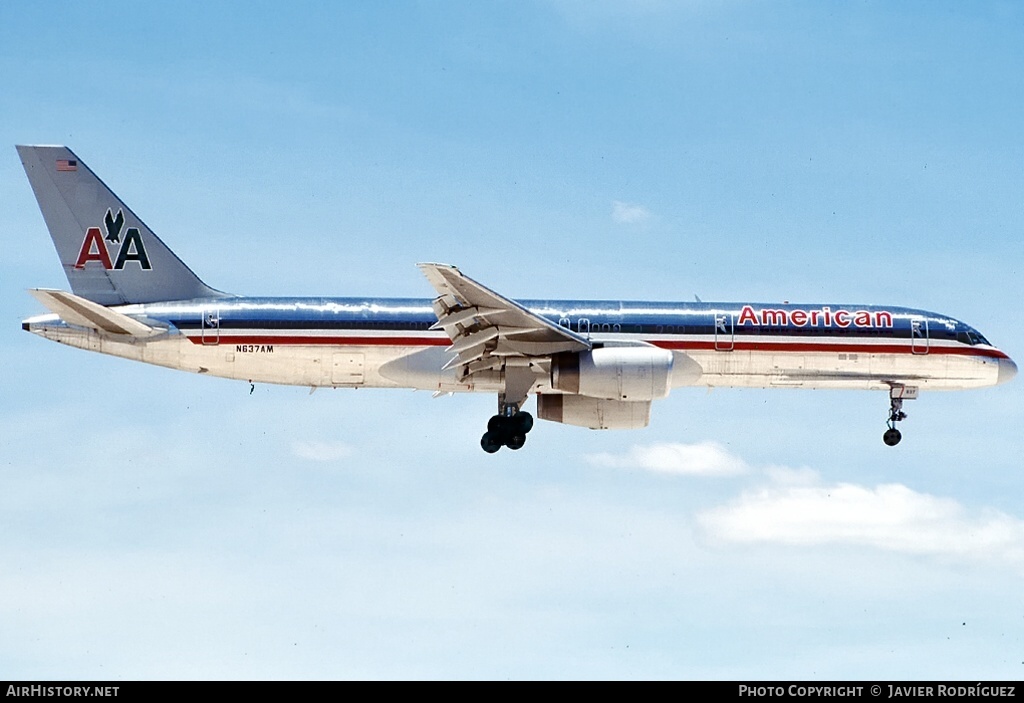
(892,436)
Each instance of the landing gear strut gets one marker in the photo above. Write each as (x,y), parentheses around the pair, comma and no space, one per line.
(897,394)
(507,430)
(510,426)
(893,436)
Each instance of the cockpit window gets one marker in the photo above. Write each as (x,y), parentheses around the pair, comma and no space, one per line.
(971,337)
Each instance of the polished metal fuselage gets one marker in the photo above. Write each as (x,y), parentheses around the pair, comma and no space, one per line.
(389,343)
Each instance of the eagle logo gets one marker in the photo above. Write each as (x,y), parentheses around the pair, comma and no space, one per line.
(114,226)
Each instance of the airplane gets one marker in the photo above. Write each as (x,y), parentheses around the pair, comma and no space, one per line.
(594,364)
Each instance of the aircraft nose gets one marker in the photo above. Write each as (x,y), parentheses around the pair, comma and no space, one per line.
(1007,370)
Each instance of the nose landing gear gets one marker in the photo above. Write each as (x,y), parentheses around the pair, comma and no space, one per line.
(897,394)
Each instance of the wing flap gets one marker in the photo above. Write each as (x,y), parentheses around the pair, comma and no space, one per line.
(489,331)
(462,317)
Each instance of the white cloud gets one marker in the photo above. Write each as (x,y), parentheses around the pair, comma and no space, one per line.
(791,476)
(629,213)
(321,451)
(890,516)
(796,509)
(703,459)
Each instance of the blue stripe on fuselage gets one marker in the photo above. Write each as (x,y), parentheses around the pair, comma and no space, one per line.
(643,318)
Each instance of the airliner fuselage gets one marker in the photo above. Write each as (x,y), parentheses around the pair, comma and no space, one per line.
(389,343)
(596,364)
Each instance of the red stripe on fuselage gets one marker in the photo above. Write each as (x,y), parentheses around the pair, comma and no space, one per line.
(325,341)
(775,347)
(805,347)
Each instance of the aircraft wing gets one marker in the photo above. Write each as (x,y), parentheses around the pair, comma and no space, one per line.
(489,331)
(85,313)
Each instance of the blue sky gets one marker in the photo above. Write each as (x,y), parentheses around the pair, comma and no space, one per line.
(157,524)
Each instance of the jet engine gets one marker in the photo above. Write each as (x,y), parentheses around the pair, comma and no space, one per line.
(631,374)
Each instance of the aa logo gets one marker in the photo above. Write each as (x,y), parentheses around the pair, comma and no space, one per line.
(131,248)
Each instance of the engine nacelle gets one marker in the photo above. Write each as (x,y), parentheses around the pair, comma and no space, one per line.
(595,413)
(614,373)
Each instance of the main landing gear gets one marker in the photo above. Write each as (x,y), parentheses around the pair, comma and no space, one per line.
(897,394)
(510,426)
(507,430)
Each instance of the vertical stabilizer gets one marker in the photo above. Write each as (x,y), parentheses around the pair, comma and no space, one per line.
(109,255)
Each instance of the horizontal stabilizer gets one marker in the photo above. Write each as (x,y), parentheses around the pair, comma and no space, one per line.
(85,313)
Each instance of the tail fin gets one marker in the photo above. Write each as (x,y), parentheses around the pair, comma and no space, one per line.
(109,255)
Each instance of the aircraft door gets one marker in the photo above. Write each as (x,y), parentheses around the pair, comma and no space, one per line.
(919,336)
(211,326)
(724,333)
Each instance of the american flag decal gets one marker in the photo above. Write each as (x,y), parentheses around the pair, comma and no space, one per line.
(67,165)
